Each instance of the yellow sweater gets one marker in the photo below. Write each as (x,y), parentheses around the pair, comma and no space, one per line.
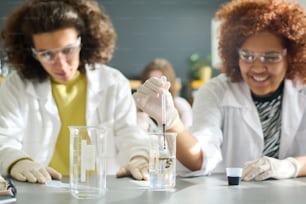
(70,99)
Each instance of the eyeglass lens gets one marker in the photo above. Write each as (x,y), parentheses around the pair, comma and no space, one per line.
(49,56)
(267,57)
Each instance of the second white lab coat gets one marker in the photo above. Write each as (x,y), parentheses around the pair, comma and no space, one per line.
(30,123)
(227,124)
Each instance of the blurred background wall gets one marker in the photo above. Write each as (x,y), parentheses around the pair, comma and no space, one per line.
(172,29)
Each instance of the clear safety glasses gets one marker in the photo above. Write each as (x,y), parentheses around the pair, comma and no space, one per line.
(49,56)
(265,57)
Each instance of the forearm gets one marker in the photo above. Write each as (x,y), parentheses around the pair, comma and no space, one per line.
(302,162)
(188,149)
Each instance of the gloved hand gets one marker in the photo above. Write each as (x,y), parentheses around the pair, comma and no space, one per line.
(3,184)
(137,168)
(142,120)
(148,98)
(28,170)
(268,167)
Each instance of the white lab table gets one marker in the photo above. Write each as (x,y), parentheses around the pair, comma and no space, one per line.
(207,190)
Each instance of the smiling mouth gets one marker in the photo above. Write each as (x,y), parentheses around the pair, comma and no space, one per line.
(259,78)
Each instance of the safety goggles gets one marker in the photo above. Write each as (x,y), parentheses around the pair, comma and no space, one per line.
(265,57)
(49,56)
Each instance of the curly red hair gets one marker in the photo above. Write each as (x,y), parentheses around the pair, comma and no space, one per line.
(242,18)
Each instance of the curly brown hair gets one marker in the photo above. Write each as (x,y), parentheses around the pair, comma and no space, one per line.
(40,16)
(242,18)
(165,67)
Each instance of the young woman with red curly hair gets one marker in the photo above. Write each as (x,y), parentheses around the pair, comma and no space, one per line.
(253,115)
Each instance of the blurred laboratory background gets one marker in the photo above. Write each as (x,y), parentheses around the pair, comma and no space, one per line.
(182,31)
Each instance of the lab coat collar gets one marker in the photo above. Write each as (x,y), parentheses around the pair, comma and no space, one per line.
(97,82)
(95,78)
(293,109)
(239,96)
(42,90)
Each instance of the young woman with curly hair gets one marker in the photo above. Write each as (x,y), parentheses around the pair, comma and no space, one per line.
(59,50)
(253,115)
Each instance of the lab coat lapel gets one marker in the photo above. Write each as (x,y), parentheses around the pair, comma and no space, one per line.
(239,97)
(94,96)
(293,106)
(43,93)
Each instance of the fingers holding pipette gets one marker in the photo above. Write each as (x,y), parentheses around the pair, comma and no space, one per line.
(149,96)
(157,85)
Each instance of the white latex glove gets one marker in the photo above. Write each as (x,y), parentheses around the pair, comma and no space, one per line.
(148,98)
(137,168)
(28,170)
(3,184)
(268,167)
(142,120)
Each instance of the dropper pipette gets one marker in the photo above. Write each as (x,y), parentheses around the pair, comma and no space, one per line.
(164,79)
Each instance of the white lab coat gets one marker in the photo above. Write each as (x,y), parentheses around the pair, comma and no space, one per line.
(30,123)
(185,111)
(227,125)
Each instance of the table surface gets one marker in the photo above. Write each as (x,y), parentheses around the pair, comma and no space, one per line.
(207,189)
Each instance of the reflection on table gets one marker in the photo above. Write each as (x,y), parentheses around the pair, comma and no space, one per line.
(207,189)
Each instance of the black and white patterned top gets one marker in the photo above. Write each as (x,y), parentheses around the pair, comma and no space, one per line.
(269,110)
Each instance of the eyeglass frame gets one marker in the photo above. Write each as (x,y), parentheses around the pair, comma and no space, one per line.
(54,51)
(262,55)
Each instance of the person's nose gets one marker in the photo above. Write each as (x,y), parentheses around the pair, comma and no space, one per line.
(258,66)
(59,58)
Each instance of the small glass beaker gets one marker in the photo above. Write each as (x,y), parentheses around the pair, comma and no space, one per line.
(162,161)
(87,161)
